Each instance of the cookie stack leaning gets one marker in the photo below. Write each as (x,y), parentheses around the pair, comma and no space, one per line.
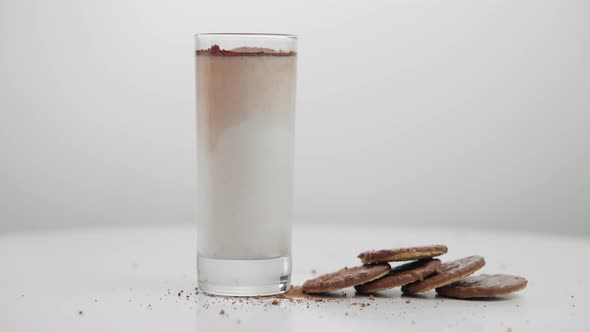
(423,273)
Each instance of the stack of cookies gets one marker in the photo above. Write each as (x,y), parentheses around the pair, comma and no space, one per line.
(421,274)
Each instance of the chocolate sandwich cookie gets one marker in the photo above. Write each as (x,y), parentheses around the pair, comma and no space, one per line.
(402,254)
(347,277)
(401,275)
(449,273)
(483,285)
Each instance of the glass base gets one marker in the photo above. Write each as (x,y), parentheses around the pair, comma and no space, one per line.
(244,277)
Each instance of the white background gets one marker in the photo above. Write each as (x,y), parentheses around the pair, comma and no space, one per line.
(471,113)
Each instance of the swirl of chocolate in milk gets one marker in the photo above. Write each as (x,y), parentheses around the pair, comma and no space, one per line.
(246,115)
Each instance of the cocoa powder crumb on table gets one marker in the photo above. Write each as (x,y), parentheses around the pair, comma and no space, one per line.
(274,302)
(222,312)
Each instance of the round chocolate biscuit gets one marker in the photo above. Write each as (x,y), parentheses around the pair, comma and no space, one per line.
(449,273)
(483,285)
(347,277)
(401,275)
(402,254)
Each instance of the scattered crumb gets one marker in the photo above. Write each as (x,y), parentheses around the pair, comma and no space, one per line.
(80,312)
(179,294)
(346,314)
(408,301)
(274,302)
(313,271)
(222,312)
(371,297)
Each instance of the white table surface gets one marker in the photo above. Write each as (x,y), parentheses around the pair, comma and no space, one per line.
(118,278)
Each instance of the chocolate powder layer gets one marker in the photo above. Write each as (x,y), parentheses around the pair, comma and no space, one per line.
(215,50)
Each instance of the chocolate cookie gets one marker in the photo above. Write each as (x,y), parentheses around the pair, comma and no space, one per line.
(483,285)
(346,278)
(401,275)
(449,273)
(402,254)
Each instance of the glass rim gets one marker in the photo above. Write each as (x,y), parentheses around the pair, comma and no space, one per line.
(246,35)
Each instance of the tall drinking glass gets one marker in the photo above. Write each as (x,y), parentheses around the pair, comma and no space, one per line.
(245,119)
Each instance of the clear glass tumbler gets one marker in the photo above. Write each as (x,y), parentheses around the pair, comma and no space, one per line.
(245,119)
